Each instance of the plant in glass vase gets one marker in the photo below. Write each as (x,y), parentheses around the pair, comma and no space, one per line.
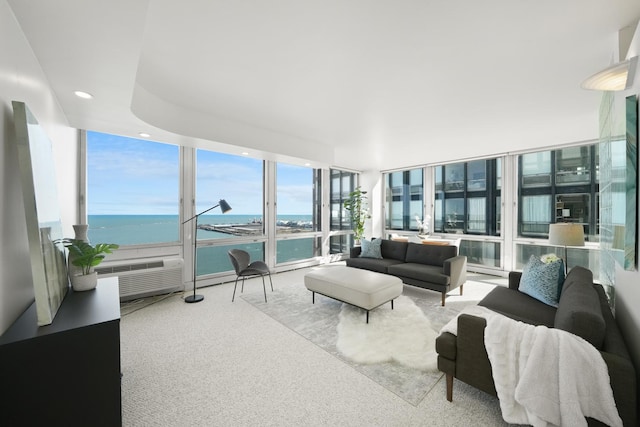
(356,204)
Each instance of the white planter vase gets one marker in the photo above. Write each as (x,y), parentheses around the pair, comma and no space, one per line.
(84,282)
(81,232)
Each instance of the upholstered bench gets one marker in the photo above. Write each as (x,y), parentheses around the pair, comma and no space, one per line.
(361,288)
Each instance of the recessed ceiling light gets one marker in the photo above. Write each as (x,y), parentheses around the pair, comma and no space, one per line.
(307,164)
(144,134)
(245,153)
(83,95)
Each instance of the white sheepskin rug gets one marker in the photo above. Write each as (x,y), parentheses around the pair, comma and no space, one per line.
(403,335)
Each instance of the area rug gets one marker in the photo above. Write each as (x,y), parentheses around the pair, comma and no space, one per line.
(291,305)
(403,335)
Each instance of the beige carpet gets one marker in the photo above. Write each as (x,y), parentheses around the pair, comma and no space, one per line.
(218,363)
(291,305)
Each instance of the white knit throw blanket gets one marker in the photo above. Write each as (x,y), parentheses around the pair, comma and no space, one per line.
(544,376)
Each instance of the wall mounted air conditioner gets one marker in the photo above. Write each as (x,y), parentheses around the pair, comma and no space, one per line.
(144,277)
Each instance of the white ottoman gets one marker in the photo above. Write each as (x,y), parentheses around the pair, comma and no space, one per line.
(361,288)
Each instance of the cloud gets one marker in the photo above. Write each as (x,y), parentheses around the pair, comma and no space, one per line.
(131,176)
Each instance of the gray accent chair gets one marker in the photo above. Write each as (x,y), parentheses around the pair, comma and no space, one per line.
(244,268)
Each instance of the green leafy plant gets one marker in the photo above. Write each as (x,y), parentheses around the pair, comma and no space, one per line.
(85,255)
(356,204)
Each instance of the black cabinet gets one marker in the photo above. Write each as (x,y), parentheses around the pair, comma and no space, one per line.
(66,373)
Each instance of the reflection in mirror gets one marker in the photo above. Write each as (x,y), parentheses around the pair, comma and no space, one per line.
(631,161)
(618,155)
(42,214)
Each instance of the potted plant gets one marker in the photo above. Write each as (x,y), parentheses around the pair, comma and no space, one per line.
(86,256)
(356,204)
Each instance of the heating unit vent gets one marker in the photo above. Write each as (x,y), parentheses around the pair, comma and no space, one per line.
(141,278)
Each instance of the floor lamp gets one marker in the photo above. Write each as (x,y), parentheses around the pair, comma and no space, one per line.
(224,206)
(566,234)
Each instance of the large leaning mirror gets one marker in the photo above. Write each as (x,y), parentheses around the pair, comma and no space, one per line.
(618,171)
(42,214)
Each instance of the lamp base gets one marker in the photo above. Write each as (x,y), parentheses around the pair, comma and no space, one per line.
(193,298)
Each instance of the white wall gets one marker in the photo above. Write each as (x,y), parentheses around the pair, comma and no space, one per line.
(21,79)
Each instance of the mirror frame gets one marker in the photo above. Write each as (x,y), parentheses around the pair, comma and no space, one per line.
(42,214)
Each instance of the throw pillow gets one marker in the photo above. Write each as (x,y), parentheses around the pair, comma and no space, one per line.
(371,248)
(542,281)
(548,259)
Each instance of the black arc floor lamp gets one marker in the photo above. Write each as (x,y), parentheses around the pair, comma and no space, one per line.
(224,206)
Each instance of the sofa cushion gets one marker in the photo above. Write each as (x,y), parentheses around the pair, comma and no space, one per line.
(579,312)
(422,272)
(429,254)
(393,250)
(519,306)
(371,248)
(542,281)
(379,265)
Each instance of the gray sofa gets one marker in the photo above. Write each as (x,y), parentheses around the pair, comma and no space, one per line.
(583,310)
(438,268)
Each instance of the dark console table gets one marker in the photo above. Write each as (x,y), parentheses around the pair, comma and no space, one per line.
(66,373)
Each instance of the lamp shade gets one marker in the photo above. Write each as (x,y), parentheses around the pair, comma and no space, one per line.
(566,234)
(618,76)
(224,206)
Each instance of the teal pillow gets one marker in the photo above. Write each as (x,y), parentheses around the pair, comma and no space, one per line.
(542,281)
(371,248)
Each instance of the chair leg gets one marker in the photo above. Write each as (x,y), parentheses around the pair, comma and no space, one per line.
(449,387)
(242,289)
(264,288)
(444,294)
(270,281)
(461,286)
(234,290)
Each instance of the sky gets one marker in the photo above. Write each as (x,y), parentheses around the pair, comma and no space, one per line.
(128,176)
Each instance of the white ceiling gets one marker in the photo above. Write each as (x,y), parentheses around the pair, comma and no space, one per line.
(362,84)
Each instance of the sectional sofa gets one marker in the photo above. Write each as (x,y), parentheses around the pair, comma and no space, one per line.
(438,268)
(583,310)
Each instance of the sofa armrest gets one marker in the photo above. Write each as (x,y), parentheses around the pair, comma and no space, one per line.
(514,279)
(472,361)
(355,251)
(456,269)
(622,376)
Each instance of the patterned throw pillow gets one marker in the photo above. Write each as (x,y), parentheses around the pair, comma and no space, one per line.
(542,281)
(371,248)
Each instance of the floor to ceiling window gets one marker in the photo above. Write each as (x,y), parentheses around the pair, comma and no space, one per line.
(467,197)
(133,190)
(239,181)
(558,186)
(404,195)
(467,201)
(298,213)
(135,198)
(342,183)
